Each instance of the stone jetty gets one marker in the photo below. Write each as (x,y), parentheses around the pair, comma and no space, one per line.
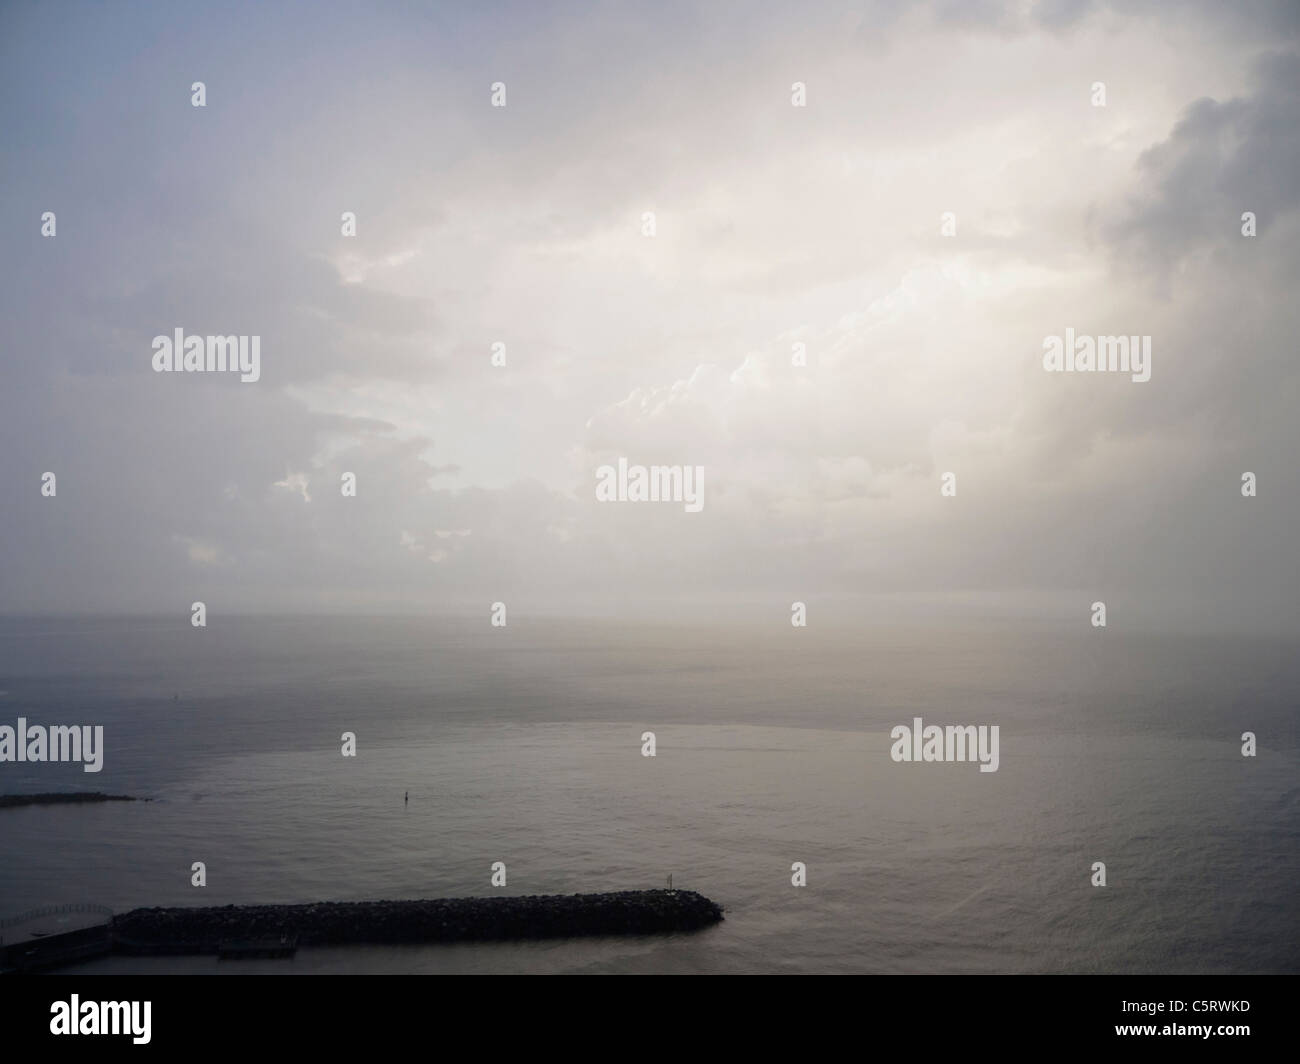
(204,930)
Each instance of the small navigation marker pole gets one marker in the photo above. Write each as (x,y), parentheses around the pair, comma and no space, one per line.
(406,798)
(670,881)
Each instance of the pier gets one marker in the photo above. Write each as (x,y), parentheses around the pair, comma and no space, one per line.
(202,930)
(54,935)
(62,935)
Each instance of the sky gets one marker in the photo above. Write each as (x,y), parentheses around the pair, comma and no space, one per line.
(774,225)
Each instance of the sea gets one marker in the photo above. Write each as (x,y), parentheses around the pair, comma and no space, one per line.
(526,745)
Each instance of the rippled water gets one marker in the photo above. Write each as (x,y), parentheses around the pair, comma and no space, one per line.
(524,746)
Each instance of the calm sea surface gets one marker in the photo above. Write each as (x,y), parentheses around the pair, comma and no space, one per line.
(523,745)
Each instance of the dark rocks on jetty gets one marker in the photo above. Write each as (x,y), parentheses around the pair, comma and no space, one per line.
(58,798)
(633,912)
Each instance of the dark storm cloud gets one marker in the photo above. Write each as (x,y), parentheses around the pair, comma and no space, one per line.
(1223,158)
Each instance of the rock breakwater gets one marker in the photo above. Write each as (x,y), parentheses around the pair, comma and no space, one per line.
(203,930)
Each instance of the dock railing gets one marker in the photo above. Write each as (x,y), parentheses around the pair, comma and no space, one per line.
(53,910)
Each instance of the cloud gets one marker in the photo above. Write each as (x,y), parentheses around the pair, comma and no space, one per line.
(1220,160)
(777,226)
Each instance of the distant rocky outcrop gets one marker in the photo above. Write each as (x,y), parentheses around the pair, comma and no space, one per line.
(62,798)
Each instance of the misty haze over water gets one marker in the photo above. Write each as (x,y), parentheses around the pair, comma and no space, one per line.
(522,745)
